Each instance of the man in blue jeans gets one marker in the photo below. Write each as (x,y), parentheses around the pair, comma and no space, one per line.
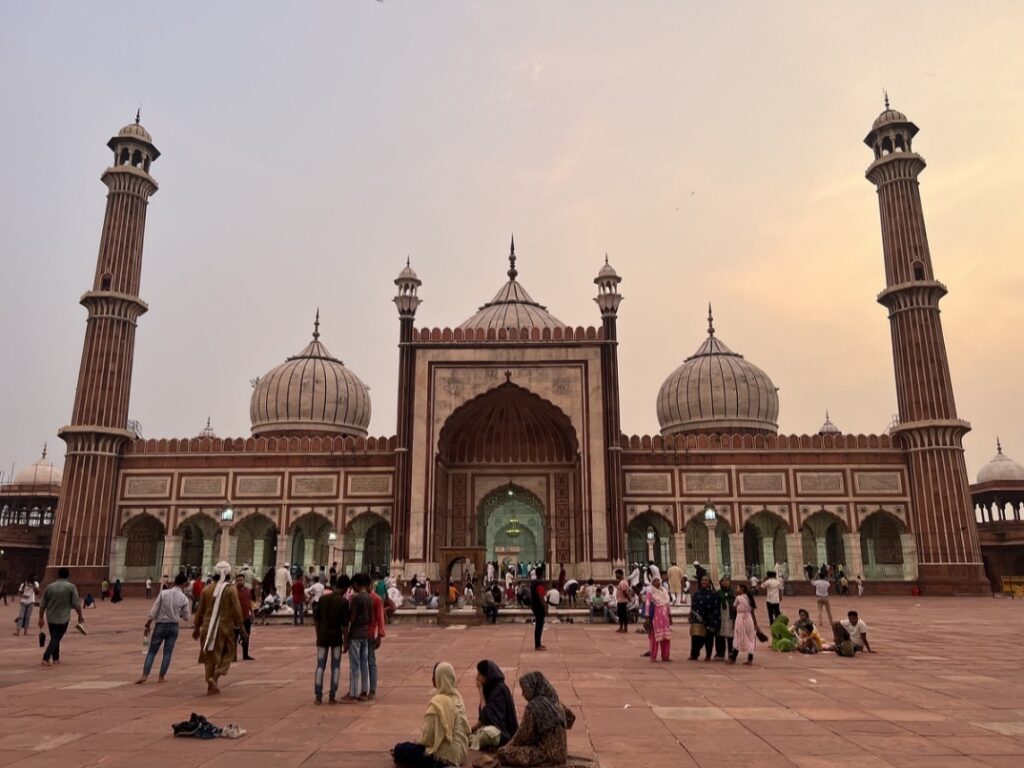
(332,623)
(358,641)
(170,607)
(59,599)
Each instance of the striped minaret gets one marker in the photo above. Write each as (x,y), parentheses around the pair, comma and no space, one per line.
(84,523)
(949,557)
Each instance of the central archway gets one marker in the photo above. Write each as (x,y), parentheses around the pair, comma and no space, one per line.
(511,526)
(509,439)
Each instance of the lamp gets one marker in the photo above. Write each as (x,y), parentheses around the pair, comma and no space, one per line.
(332,537)
(710,513)
(227,514)
(711,521)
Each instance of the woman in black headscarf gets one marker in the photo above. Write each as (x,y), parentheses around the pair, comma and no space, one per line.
(497,712)
(542,737)
(705,620)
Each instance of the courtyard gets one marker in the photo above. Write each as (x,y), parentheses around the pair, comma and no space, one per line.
(945,688)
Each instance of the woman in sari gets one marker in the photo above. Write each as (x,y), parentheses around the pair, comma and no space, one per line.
(705,619)
(444,738)
(542,738)
(496,720)
(659,620)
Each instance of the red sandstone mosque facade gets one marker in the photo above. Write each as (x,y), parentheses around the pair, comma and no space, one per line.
(508,437)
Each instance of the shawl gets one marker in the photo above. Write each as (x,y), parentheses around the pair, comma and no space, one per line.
(659,596)
(542,702)
(498,709)
(447,707)
(223,571)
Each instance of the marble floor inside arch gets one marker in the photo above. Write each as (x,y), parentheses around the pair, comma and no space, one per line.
(944,689)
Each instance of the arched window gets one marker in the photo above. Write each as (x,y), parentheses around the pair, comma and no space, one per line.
(124,156)
(5,516)
(919,270)
(23,516)
(899,143)
(145,164)
(136,158)
(35,517)
(105,281)
(48,516)
(886,146)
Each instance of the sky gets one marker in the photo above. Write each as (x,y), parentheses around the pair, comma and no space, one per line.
(712,150)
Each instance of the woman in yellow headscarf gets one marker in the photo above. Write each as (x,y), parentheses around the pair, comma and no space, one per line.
(444,740)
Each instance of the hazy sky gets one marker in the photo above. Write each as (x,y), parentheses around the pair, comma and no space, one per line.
(713,150)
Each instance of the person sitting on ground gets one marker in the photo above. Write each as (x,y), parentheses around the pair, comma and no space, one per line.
(496,718)
(444,738)
(542,736)
(783,639)
(435,601)
(809,641)
(858,632)
(803,621)
(841,642)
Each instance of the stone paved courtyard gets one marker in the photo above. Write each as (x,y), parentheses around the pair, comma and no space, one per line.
(945,689)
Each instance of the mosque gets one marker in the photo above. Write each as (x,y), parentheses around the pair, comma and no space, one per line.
(508,437)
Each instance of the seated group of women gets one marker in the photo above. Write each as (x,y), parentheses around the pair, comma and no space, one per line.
(539,740)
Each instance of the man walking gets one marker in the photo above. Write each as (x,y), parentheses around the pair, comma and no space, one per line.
(773,595)
(675,583)
(29,591)
(215,623)
(539,606)
(298,602)
(821,586)
(244,600)
(358,642)
(332,627)
(59,599)
(170,607)
(377,622)
(622,601)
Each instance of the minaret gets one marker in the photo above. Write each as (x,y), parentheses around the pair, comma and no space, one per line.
(407,302)
(98,431)
(949,557)
(608,299)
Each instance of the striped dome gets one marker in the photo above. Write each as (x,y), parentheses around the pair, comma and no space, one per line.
(512,307)
(716,390)
(310,392)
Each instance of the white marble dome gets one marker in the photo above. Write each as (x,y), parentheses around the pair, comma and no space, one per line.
(1001,469)
(311,392)
(40,473)
(512,307)
(716,390)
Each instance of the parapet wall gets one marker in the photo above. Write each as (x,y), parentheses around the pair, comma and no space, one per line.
(456,335)
(718,442)
(315,444)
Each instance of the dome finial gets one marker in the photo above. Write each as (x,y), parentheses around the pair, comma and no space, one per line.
(512,260)
(606,258)
(999,447)
(316,325)
(408,262)
(711,321)
(138,114)
(44,451)
(885,95)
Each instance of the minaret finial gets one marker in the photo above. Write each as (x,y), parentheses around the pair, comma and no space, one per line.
(44,450)
(885,94)
(208,423)
(826,415)
(512,272)
(999,447)
(138,114)
(711,321)
(407,261)
(316,325)
(606,258)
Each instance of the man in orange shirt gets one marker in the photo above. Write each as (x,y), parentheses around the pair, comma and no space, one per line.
(377,623)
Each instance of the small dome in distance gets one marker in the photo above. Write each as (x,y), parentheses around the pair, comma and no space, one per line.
(207,431)
(828,428)
(40,473)
(1001,468)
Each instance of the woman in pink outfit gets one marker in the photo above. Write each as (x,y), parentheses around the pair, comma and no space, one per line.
(744,639)
(659,620)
